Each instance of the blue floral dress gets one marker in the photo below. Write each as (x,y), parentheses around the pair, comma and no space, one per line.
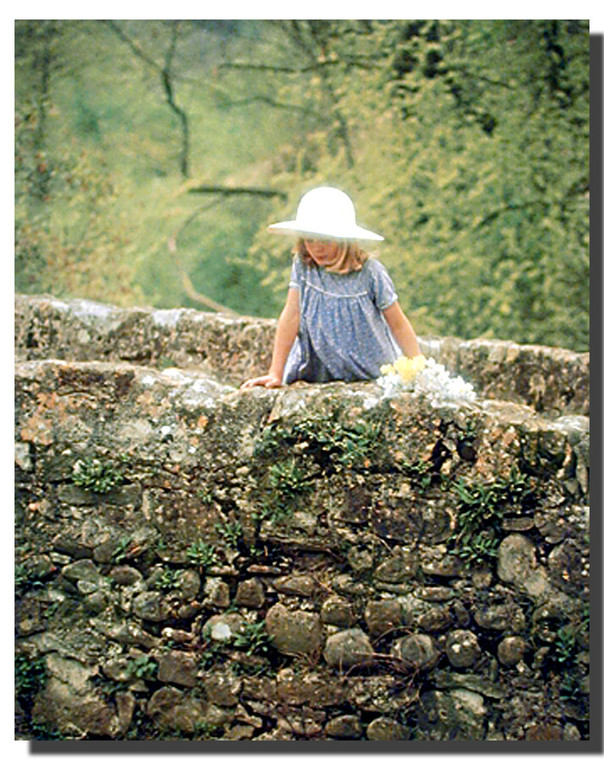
(343,334)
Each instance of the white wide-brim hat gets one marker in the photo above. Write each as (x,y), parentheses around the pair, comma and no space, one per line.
(325,212)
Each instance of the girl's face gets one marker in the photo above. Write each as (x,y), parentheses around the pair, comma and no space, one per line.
(323,252)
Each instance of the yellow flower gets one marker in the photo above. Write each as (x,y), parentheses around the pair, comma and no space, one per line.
(405,368)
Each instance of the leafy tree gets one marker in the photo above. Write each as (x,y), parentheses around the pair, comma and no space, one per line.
(465,143)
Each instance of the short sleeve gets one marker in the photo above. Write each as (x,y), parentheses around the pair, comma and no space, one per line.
(382,288)
(296,274)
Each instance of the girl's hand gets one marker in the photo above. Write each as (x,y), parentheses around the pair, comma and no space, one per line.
(268,381)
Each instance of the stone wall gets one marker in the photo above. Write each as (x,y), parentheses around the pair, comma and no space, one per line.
(231,349)
(307,563)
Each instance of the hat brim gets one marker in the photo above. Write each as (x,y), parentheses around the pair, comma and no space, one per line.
(348,233)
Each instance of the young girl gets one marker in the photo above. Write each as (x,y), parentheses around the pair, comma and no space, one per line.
(342,319)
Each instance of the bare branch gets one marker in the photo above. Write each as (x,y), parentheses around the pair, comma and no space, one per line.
(264,192)
(181,115)
(315,66)
(136,49)
(167,78)
(273,103)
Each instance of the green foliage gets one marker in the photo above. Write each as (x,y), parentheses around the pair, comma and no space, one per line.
(121,551)
(231,532)
(480,509)
(168,580)
(142,667)
(331,443)
(97,475)
(253,639)
(287,480)
(202,554)
(211,652)
(26,579)
(565,645)
(30,677)
(419,473)
(464,142)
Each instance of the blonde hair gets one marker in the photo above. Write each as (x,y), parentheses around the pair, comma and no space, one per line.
(350,259)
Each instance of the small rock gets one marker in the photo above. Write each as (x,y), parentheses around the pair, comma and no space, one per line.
(176,636)
(118,669)
(217,593)
(189,584)
(482,578)
(462,649)
(436,593)
(347,586)
(460,613)
(124,575)
(222,688)
(417,651)
(240,733)
(565,566)
(315,689)
(385,730)
(173,710)
(347,648)
(401,566)
(306,723)
(344,727)
(178,668)
(437,562)
(22,456)
(501,617)
(383,616)
(125,703)
(571,733)
(223,627)
(544,733)
(82,570)
(190,610)
(296,585)
(97,601)
(250,593)
(510,650)
(293,631)
(518,524)
(360,559)
(150,605)
(517,564)
(455,715)
(436,618)
(337,611)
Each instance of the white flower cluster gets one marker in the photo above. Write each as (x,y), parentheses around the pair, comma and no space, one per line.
(434,381)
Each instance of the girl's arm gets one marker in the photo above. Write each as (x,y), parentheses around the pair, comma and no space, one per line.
(402,330)
(287,329)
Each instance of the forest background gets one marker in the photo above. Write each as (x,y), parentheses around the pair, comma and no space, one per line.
(152,155)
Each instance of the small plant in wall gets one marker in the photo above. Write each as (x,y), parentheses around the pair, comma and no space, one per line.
(142,667)
(202,554)
(481,508)
(167,579)
(231,532)
(253,639)
(97,475)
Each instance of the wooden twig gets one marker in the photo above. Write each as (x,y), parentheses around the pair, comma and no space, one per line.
(265,192)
